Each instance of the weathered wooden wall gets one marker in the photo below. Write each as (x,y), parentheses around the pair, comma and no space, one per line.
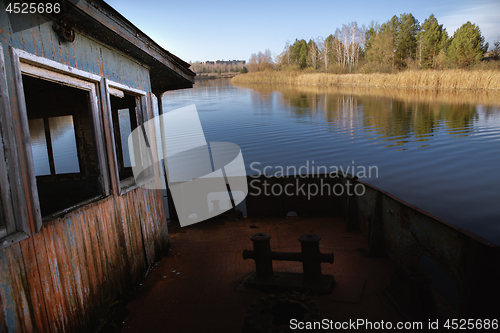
(83,259)
(60,278)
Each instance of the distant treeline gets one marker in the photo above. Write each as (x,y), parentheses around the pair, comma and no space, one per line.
(401,43)
(219,66)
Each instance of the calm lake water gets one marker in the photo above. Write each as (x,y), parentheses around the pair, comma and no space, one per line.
(438,151)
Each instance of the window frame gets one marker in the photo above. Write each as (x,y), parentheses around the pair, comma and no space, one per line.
(25,63)
(118,89)
(12,201)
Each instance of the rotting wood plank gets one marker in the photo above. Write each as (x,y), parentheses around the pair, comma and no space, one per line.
(78,262)
(114,262)
(94,286)
(46,283)
(64,277)
(34,281)
(86,266)
(96,247)
(121,219)
(14,290)
(60,276)
(134,214)
(118,262)
(123,252)
(67,251)
(146,230)
(153,197)
(59,316)
(106,249)
(136,254)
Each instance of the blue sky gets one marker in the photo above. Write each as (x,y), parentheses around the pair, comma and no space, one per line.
(216,30)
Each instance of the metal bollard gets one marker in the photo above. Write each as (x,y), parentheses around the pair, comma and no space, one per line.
(310,257)
(262,255)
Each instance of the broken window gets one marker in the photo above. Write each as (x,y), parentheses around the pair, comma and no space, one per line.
(127,105)
(62,141)
(125,118)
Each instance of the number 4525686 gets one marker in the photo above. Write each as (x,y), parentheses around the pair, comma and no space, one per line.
(464,324)
(33,8)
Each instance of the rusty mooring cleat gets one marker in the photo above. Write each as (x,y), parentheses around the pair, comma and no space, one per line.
(310,280)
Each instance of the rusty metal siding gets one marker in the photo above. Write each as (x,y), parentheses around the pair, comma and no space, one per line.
(60,278)
(406,233)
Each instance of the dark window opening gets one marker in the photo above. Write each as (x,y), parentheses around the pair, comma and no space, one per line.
(125,119)
(63,145)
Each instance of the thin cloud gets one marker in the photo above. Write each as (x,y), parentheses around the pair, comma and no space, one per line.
(484,15)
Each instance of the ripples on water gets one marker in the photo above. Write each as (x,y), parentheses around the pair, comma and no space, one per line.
(438,151)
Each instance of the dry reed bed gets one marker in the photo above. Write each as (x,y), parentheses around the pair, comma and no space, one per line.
(425,79)
(483,97)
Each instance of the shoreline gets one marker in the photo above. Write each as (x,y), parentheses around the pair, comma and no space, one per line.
(422,79)
(213,76)
(455,97)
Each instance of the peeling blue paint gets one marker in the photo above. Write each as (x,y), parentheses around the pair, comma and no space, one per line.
(9,301)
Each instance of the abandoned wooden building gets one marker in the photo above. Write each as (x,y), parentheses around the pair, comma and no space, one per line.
(76,230)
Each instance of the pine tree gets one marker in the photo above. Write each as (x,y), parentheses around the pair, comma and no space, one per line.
(381,51)
(467,46)
(299,53)
(406,38)
(369,36)
(432,38)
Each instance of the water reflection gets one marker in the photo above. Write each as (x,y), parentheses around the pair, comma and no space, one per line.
(62,134)
(63,140)
(392,118)
(39,147)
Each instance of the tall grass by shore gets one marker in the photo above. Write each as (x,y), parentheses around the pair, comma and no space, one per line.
(434,96)
(424,79)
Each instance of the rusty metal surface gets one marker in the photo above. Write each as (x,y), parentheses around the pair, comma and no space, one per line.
(404,233)
(259,204)
(199,284)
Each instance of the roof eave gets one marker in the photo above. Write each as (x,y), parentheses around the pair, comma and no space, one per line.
(103,23)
